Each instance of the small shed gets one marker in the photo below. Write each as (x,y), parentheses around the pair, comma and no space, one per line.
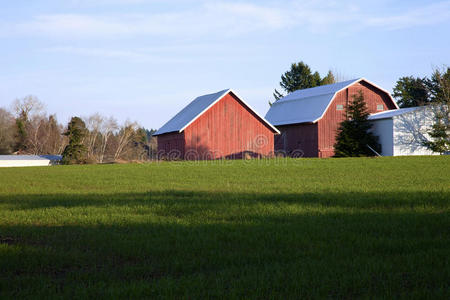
(308,119)
(218,125)
(403,131)
(29,160)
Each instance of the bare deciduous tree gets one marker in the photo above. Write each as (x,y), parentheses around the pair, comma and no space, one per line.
(100,129)
(29,114)
(28,106)
(36,135)
(93,124)
(124,137)
(107,129)
(36,132)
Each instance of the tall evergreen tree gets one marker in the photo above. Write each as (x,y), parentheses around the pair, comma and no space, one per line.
(316,79)
(297,78)
(440,134)
(439,86)
(21,134)
(300,77)
(329,79)
(353,136)
(75,152)
(410,91)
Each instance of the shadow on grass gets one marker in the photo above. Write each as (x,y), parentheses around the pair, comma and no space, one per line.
(234,245)
(206,199)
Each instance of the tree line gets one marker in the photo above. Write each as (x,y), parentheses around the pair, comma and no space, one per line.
(28,129)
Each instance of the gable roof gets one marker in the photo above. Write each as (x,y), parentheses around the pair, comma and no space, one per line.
(309,105)
(198,107)
(392,113)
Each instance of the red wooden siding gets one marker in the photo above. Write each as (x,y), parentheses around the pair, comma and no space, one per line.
(297,140)
(171,145)
(228,129)
(328,125)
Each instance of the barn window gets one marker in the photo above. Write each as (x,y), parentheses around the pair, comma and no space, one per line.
(339,107)
(380,107)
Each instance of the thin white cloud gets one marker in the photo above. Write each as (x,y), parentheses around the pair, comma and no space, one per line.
(426,15)
(73,25)
(248,14)
(129,55)
(218,18)
(110,2)
(224,19)
(167,54)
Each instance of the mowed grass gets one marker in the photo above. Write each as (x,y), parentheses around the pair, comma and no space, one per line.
(288,228)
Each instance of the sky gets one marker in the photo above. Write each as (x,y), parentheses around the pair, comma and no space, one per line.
(144,60)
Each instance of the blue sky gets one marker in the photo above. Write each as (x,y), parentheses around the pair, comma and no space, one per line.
(144,60)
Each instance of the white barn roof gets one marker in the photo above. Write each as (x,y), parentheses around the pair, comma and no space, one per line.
(308,105)
(392,113)
(196,108)
(31,157)
(28,160)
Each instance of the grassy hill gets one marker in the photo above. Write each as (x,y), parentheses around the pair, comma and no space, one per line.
(340,228)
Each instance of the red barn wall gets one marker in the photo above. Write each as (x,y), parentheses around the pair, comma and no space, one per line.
(228,130)
(171,145)
(328,125)
(297,140)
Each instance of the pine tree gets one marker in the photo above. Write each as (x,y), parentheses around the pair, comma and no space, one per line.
(440,131)
(329,79)
(353,136)
(75,152)
(439,86)
(410,91)
(21,134)
(440,135)
(300,77)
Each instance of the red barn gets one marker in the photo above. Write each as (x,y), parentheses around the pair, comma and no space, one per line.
(219,125)
(308,119)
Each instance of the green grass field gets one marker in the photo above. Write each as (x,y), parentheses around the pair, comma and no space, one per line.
(305,228)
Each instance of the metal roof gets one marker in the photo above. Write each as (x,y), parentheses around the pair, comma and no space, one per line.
(52,157)
(391,113)
(308,105)
(30,157)
(318,90)
(196,108)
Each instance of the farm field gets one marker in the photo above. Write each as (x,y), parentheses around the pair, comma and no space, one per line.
(287,228)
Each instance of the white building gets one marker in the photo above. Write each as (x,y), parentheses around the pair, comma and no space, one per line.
(403,131)
(28,160)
